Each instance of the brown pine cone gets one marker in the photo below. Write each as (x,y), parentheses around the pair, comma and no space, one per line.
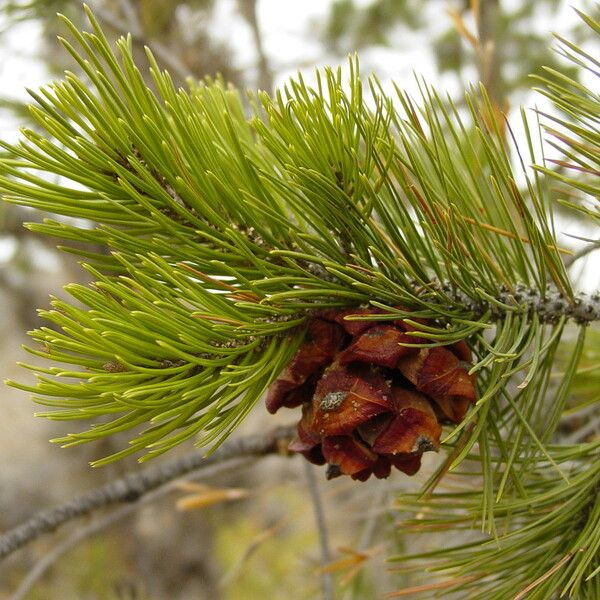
(369,404)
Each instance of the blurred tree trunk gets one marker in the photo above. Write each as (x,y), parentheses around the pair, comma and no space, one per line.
(488,16)
(248,9)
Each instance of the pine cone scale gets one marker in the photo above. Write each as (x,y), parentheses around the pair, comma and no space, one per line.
(370,403)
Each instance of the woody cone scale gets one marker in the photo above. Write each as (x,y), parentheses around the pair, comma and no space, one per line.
(369,403)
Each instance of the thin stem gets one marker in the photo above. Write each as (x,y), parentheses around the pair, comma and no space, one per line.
(134,485)
(315,496)
(98,525)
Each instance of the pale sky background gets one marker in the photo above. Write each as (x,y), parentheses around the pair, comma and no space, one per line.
(290,41)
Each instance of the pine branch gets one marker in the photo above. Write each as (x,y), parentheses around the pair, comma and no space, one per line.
(575,131)
(105,521)
(549,307)
(135,485)
(226,233)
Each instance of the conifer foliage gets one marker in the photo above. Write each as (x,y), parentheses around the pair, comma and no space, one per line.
(232,226)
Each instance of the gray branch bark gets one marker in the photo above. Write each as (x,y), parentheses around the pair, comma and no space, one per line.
(135,485)
(99,524)
(549,306)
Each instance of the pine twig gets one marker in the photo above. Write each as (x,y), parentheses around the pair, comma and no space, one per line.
(98,525)
(549,306)
(137,484)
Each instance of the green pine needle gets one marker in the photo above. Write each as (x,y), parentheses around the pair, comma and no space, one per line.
(216,225)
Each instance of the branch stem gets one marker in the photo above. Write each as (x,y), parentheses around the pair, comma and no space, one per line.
(137,484)
(550,306)
(104,522)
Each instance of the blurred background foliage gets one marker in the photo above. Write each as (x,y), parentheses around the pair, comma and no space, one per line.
(264,546)
(520,47)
